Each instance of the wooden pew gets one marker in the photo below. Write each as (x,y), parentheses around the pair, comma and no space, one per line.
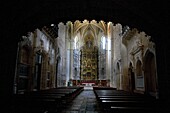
(103,88)
(51,100)
(116,109)
(36,103)
(123,102)
(127,104)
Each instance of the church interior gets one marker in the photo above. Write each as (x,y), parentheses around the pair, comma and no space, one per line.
(85,57)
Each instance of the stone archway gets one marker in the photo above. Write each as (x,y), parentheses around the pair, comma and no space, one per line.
(138,68)
(150,73)
(139,77)
(131,78)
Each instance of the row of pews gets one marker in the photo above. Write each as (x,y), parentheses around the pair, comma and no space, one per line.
(118,101)
(45,101)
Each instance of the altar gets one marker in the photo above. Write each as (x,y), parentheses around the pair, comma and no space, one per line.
(88,84)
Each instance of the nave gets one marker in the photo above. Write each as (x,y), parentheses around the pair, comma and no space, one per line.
(84,100)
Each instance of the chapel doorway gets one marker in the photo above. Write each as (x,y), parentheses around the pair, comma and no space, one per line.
(150,73)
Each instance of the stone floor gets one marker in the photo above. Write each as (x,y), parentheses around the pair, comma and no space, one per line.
(85,102)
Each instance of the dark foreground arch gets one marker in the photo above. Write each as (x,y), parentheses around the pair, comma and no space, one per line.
(20,17)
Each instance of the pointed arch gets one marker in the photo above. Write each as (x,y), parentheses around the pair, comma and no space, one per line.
(131,76)
(138,68)
(150,73)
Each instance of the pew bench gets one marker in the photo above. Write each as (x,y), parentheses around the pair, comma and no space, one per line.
(124,102)
(51,100)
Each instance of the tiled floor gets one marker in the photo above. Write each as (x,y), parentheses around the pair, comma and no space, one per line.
(85,102)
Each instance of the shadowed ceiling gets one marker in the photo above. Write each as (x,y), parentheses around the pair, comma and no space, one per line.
(145,15)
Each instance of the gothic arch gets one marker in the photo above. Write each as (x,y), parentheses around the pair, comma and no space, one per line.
(131,76)
(138,68)
(150,73)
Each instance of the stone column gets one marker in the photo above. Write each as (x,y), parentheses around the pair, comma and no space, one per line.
(108,63)
(108,54)
(16,69)
(71,59)
(112,57)
(54,67)
(32,61)
(117,55)
(71,51)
